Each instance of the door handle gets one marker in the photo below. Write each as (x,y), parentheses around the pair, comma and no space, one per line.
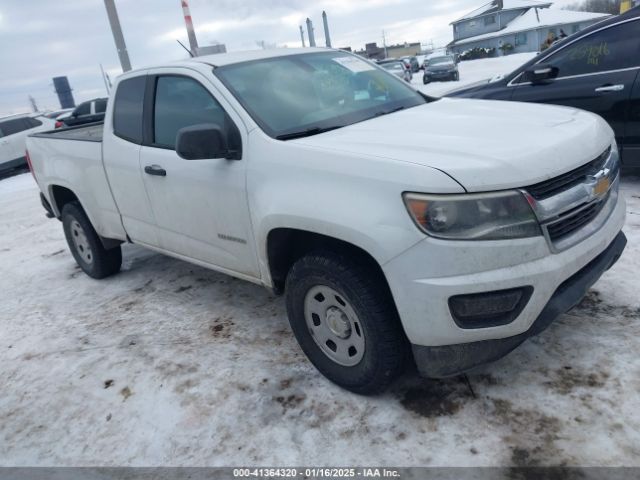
(156,170)
(610,88)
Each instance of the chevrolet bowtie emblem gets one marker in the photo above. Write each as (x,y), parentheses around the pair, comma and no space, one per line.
(602,187)
(603,183)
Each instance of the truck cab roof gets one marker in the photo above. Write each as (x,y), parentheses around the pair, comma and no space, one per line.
(222,59)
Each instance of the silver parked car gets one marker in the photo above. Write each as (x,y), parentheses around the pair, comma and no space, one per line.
(399,69)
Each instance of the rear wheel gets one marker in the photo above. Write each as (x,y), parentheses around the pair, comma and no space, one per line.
(86,246)
(344,319)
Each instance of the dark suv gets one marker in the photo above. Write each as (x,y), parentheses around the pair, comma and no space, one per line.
(595,70)
(443,68)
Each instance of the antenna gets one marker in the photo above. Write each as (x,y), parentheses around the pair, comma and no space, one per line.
(104,78)
(182,45)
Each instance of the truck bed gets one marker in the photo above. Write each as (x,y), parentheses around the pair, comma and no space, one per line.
(91,132)
(71,159)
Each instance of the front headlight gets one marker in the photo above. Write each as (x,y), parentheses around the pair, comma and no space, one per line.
(484,216)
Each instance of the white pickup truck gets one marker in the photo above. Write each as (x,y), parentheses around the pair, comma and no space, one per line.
(399,226)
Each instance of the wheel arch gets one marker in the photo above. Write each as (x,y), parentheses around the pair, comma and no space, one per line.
(284,246)
(60,196)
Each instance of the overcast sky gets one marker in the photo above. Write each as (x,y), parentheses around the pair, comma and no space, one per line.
(41,39)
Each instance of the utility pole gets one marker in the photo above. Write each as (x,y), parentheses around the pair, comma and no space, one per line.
(114,21)
(312,38)
(384,44)
(327,38)
(302,36)
(191,33)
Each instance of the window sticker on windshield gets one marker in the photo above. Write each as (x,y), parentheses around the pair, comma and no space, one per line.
(354,64)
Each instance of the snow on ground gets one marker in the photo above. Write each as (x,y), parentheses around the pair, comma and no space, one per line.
(473,71)
(167,363)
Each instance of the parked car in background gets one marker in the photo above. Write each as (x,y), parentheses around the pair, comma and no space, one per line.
(13,135)
(597,69)
(87,112)
(394,223)
(413,63)
(421,59)
(398,68)
(54,115)
(443,68)
(60,119)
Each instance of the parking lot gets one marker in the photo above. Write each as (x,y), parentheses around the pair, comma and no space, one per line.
(167,363)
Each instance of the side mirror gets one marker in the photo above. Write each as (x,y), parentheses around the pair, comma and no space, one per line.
(199,142)
(540,73)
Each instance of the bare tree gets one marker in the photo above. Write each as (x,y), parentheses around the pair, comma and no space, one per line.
(597,6)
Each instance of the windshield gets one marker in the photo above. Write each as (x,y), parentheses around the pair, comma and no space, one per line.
(437,60)
(301,95)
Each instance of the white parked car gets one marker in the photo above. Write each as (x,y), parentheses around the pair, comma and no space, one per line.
(13,134)
(54,115)
(397,225)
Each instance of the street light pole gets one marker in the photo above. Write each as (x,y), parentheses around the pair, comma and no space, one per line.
(114,21)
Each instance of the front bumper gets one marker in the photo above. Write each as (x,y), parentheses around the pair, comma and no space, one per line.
(439,75)
(425,277)
(447,360)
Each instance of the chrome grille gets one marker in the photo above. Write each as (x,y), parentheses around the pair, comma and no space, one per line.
(551,187)
(574,220)
(572,206)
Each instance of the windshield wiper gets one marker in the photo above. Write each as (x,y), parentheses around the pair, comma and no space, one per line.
(387,112)
(307,133)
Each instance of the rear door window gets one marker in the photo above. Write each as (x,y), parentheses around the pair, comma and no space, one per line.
(83,109)
(16,125)
(615,48)
(128,108)
(33,122)
(101,106)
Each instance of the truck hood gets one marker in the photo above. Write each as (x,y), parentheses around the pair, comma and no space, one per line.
(484,145)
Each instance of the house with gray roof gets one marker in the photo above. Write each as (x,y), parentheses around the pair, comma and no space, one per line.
(516,26)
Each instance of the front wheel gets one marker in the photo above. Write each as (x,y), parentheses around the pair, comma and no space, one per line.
(86,246)
(344,319)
